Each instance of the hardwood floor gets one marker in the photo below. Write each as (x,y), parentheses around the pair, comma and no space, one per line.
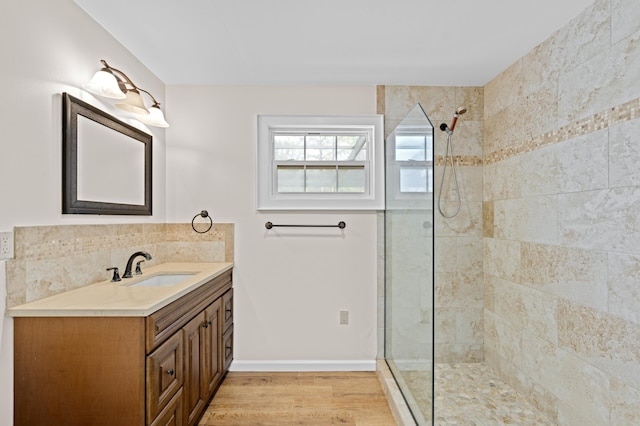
(299,399)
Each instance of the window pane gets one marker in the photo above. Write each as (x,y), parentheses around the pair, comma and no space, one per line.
(410,147)
(288,147)
(321,179)
(352,147)
(351,179)
(413,179)
(290,179)
(321,148)
(429,143)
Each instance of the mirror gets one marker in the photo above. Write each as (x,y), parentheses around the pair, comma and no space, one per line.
(106,163)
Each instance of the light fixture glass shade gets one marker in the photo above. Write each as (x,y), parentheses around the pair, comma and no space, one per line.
(105,84)
(154,118)
(133,103)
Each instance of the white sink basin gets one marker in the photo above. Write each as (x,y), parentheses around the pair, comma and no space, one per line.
(163,280)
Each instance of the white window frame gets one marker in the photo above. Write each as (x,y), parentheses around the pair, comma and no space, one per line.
(268,197)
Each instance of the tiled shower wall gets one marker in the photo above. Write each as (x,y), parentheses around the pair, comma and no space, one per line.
(458,241)
(54,259)
(562,220)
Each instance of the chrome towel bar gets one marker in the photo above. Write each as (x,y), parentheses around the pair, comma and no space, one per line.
(340,225)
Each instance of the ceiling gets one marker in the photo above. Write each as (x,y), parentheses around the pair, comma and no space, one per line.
(392,42)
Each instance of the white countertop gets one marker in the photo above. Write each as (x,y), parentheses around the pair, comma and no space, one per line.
(120,298)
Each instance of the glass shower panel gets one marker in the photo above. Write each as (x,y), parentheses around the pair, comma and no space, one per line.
(409,261)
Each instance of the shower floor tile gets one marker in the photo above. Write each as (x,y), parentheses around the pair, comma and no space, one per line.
(470,394)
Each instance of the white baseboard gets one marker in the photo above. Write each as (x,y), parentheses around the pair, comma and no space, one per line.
(304,365)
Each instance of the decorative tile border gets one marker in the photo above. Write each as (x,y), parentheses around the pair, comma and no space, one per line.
(612,116)
(460,160)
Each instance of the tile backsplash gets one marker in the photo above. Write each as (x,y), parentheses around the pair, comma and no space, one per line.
(54,259)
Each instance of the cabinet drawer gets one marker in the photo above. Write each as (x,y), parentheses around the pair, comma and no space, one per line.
(164,374)
(166,321)
(227,349)
(172,413)
(227,303)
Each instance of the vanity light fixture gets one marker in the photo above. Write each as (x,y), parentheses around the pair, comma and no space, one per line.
(112,83)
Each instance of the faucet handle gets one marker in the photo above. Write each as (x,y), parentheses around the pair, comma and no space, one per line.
(138,269)
(116,274)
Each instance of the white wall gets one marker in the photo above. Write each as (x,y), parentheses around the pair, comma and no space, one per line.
(49,47)
(290,285)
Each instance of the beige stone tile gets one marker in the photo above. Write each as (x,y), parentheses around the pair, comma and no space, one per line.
(570,416)
(469,255)
(49,277)
(504,90)
(625,19)
(501,337)
(445,325)
(445,254)
(470,325)
(488,219)
(503,129)
(538,112)
(209,251)
(541,67)
(468,222)
(120,256)
(459,289)
(608,342)
(578,164)
(473,99)
(502,180)
(502,259)
(489,292)
(380,99)
(470,183)
(466,140)
(609,78)
(624,291)
(625,403)
(600,219)
(537,355)
(624,154)
(437,102)
(576,274)
(579,385)
(588,34)
(526,219)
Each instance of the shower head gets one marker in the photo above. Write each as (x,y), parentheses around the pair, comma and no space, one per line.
(459,112)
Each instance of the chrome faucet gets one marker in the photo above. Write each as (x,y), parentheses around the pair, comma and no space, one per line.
(127,271)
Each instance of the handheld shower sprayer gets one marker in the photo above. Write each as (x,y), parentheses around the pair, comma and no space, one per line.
(449,157)
(458,113)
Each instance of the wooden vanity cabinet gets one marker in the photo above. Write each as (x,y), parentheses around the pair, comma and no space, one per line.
(157,370)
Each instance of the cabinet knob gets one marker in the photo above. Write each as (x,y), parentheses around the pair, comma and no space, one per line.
(206,324)
(170,372)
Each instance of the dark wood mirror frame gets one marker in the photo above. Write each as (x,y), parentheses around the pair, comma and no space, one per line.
(72,108)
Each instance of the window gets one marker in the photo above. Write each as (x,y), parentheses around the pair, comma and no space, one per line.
(320,162)
(413,153)
(410,163)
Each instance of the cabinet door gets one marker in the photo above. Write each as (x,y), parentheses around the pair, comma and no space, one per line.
(227,349)
(212,343)
(194,351)
(227,302)
(164,374)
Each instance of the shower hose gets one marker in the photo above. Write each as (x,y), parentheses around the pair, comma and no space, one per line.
(449,156)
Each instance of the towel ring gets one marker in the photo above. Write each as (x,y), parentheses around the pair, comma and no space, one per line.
(204,214)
